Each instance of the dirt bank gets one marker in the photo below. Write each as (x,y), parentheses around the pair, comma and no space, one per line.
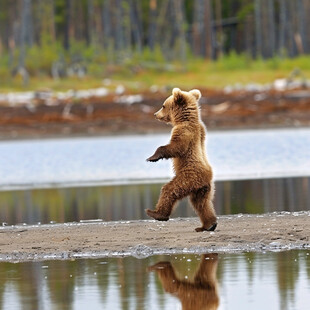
(134,113)
(268,232)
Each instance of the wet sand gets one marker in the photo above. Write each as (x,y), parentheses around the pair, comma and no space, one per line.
(236,233)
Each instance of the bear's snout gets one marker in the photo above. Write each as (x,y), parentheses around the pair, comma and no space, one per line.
(156,114)
(161,116)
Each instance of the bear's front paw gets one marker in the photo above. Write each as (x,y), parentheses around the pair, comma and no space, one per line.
(159,154)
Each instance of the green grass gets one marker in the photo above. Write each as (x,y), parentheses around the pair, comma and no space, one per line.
(139,74)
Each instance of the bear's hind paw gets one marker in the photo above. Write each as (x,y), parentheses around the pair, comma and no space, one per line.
(212,228)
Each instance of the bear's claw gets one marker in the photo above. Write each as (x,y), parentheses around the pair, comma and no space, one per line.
(157,216)
(212,228)
(152,159)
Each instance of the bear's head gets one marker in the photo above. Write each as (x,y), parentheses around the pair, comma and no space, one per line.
(181,106)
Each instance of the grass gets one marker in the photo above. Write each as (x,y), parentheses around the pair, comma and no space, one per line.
(229,70)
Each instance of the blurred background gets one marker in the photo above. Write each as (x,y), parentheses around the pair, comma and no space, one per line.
(101,66)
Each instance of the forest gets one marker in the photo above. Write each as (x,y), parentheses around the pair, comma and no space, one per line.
(68,37)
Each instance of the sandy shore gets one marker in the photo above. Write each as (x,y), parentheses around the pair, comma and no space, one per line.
(237,233)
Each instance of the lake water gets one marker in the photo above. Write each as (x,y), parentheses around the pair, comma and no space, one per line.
(71,162)
(276,281)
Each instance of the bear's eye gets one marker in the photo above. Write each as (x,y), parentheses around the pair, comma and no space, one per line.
(163,106)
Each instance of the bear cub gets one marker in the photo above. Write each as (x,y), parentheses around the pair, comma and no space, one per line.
(193,173)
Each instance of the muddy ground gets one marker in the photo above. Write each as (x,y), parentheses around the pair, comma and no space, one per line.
(133,113)
(237,233)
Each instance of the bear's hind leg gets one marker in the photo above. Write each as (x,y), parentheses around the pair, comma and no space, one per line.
(169,195)
(202,203)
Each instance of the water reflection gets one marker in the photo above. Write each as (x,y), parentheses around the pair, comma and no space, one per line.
(197,294)
(128,202)
(227,281)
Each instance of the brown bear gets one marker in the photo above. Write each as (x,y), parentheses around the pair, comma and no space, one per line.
(193,173)
(201,292)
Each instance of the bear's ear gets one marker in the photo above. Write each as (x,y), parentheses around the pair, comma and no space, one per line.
(178,96)
(196,93)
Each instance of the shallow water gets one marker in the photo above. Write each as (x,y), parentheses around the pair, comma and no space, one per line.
(225,281)
(117,160)
(127,202)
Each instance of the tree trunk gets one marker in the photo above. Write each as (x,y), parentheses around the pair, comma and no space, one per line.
(90,23)
(282,26)
(208,29)
(52,22)
(119,41)
(249,36)
(219,30)
(198,27)
(26,7)
(181,41)
(306,4)
(258,28)
(24,37)
(161,34)
(290,28)
(301,26)
(106,23)
(272,30)
(67,14)
(126,25)
(136,25)
(152,24)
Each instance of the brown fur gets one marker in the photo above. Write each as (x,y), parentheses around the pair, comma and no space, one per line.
(193,173)
(201,293)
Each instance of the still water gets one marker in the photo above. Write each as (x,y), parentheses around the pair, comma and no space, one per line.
(276,281)
(127,202)
(234,155)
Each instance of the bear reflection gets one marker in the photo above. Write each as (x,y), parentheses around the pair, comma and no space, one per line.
(201,293)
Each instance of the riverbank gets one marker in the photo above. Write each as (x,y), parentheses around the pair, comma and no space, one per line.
(235,233)
(101,111)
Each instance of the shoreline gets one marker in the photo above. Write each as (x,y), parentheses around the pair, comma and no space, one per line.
(276,231)
(102,183)
(106,115)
